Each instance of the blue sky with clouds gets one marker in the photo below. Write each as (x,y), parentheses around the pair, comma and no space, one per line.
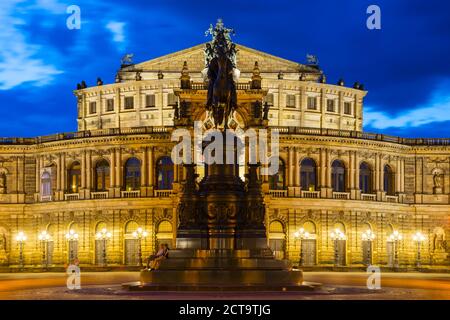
(405,66)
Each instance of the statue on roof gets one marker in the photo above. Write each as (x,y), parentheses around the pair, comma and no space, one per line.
(312,59)
(220,70)
(127,59)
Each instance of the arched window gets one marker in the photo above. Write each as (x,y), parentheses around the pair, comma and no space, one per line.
(164,173)
(277,181)
(102,175)
(74,177)
(132,174)
(389,180)
(308,174)
(338,176)
(46,184)
(277,239)
(365,178)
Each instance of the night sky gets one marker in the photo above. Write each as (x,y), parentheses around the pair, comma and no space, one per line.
(405,66)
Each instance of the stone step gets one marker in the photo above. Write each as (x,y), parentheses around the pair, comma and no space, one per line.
(224,263)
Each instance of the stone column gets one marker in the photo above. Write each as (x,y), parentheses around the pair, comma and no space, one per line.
(291,181)
(398,176)
(117,106)
(112,170)
(151,171)
(297,172)
(329,190)
(88,173)
(83,176)
(58,174)
(144,169)
(323,107)
(352,172)
(357,173)
(63,175)
(341,109)
(38,174)
(118,179)
(322,170)
(138,106)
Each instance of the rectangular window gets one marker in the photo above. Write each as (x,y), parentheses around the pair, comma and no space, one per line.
(129,102)
(347,107)
(312,103)
(290,101)
(109,104)
(330,105)
(171,99)
(269,99)
(92,107)
(150,101)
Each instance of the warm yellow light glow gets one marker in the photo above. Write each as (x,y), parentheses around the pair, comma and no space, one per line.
(418,237)
(21,237)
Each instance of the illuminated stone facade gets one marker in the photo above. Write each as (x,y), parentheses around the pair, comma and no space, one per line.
(115,173)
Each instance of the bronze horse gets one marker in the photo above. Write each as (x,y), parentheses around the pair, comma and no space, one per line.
(221,89)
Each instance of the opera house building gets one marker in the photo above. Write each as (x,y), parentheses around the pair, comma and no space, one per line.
(108,193)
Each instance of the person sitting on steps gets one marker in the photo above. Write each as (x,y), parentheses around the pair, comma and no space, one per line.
(154,261)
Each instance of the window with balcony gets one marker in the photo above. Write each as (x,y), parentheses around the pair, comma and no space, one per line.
(132,174)
(46,185)
(308,174)
(365,178)
(290,101)
(338,176)
(129,103)
(389,181)
(277,181)
(164,173)
(74,177)
(102,175)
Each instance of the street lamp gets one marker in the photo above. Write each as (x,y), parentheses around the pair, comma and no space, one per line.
(368,236)
(72,237)
(103,235)
(337,235)
(21,238)
(300,235)
(395,238)
(140,234)
(44,238)
(418,237)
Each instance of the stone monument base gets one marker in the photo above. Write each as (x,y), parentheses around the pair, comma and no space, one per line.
(221,270)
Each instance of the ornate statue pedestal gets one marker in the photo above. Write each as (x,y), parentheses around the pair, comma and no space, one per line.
(437,190)
(222,270)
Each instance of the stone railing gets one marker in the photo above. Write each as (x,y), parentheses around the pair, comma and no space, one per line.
(310,194)
(278,193)
(368,197)
(363,135)
(71,196)
(100,195)
(46,198)
(131,194)
(162,193)
(393,199)
(241,86)
(341,195)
